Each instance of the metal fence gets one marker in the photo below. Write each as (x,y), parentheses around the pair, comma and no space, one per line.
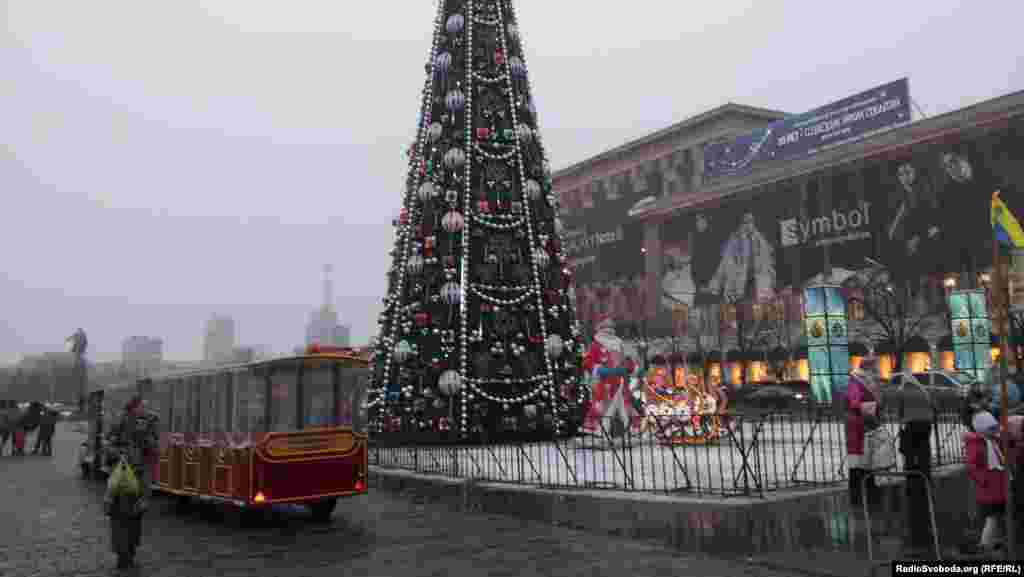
(749,453)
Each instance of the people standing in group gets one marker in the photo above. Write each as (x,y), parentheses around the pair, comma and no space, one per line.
(917,411)
(862,417)
(44,438)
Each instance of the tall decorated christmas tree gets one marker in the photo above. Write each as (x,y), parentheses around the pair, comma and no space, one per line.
(478,339)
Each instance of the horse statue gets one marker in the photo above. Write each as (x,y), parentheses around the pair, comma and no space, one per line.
(12,419)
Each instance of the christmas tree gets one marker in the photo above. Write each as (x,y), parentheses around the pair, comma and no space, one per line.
(478,339)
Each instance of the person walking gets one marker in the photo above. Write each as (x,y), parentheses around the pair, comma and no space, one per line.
(135,438)
(986,468)
(863,396)
(916,409)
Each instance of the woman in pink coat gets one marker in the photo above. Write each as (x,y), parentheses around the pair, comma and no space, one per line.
(863,395)
(986,467)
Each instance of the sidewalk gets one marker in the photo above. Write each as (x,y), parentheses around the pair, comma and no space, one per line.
(812,532)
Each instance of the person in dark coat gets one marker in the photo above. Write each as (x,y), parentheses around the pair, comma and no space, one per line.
(44,438)
(135,438)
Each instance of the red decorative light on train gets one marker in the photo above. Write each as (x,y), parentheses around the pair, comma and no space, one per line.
(360,485)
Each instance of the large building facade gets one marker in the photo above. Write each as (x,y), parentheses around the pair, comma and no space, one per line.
(719,271)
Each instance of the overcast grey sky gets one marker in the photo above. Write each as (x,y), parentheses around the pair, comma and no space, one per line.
(165,160)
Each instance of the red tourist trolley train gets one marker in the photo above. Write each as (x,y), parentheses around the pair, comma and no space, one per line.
(287,430)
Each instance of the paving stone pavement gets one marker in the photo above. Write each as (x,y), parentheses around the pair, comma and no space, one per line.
(52,525)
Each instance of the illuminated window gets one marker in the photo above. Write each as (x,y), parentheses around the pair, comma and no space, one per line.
(728,314)
(885,365)
(948,360)
(757,312)
(919,362)
(803,370)
(855,310)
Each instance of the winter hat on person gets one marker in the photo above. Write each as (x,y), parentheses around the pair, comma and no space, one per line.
(985,424)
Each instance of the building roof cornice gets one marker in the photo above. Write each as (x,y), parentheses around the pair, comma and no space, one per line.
(665,133)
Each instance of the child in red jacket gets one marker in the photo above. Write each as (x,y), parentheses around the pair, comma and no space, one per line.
(986,467)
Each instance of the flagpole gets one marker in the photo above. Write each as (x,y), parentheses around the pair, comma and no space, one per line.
(1002,285)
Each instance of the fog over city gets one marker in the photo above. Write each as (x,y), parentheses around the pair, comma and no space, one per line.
(165,161)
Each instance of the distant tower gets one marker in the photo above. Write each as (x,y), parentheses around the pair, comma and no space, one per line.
(328,288)
(323,327)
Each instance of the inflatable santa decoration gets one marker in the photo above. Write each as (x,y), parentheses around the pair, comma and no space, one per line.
(609,371)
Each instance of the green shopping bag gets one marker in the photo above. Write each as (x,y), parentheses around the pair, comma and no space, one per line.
(123,481)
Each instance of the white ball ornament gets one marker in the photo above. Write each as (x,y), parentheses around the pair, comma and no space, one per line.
(450,382)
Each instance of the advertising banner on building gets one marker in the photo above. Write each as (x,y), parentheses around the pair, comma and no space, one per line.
(920,216)
(805,134)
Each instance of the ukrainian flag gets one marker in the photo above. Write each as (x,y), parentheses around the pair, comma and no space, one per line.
(1007,229)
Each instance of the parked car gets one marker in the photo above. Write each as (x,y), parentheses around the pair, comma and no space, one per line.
(948,388)
(770,395)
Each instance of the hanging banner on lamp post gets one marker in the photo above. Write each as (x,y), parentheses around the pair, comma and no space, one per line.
(972,329)
(828,344)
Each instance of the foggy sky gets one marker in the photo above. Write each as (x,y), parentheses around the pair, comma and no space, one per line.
(164,161)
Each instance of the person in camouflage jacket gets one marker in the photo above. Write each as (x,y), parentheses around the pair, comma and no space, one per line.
(136,438)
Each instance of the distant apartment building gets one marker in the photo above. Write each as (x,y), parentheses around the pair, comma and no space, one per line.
(142,355)
(219,342)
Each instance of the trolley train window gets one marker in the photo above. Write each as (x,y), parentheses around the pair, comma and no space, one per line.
(208,408)
(318,394)
(159,401)
(250,400)
(225,402)
(284,381)
(180,405)
(194,404)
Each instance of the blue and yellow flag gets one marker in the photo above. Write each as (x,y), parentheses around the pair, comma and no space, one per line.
(1007,230)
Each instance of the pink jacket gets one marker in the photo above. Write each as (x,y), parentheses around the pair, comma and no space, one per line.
(990,485)
(857,393)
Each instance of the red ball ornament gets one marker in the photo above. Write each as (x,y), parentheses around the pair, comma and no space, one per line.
(422,318)
(449,261)
(483,133)
(499,57)
(484,206)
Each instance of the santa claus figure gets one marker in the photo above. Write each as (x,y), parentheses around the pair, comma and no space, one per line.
(610,371)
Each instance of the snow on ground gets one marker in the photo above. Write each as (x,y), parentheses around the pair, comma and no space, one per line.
(754,458)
